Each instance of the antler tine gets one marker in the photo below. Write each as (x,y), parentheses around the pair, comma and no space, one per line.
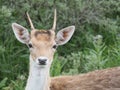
(55,19)
(31,24)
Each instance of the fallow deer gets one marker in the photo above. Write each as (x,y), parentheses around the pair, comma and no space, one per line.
(42,45)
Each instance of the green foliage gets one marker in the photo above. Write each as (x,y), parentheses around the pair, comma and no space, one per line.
(56,67)
(96,58)
(114,54)
(3,83)
(17,84)
(74,63)
(81,54)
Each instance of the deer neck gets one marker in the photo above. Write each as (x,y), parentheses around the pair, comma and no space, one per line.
(38,78)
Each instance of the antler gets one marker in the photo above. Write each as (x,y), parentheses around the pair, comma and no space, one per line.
(31,24)
(55,19)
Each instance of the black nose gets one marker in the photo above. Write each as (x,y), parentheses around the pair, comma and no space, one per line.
(42,61)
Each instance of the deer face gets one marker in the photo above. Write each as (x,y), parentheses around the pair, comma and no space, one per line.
(42,46)
(42,43)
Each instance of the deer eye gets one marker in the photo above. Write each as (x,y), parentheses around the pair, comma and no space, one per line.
(54,46)
(30,45)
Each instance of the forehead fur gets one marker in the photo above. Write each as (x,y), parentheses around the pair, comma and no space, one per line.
(43,35)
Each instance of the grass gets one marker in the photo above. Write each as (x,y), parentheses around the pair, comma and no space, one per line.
(82,54)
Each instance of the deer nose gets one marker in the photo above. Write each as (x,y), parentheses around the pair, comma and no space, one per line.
(42,61)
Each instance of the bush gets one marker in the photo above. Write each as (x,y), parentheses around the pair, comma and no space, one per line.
(90,17)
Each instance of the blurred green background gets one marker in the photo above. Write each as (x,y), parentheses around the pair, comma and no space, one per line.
(94,45)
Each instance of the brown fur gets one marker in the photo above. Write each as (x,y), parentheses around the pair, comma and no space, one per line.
(42,32)
(65,34)
(42,42)
(42,35)
(107,79)
(21,32)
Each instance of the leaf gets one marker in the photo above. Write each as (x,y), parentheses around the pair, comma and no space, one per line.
(3,82)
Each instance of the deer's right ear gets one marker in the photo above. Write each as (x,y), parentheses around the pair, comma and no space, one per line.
(21,33)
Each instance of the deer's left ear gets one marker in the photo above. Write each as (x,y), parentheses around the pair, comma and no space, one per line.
(64,35)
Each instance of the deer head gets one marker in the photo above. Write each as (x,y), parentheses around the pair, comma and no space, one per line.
(42,43)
